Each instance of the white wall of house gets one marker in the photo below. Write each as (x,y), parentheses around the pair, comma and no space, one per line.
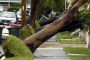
(6,3)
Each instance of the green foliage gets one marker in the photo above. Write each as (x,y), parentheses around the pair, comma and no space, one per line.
(44,7)
(26,31)
(86,17)
(88,1)
(15,4)
(59,4)
(16,47)
(13,9)
(54,4)
(37,23)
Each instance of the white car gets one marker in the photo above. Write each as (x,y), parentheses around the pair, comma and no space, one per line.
(5,33)
(28,10)
(7,18)
(19,13)
(1,8)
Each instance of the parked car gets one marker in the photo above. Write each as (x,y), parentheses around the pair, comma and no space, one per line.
(28,10)
(5,33)
(1,8)
(7,18)
(19,14)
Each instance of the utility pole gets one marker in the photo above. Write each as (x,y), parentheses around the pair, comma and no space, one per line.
(23,14)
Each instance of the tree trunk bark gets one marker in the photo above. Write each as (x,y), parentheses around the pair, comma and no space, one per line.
(34,4)
(23,10)
(34,41)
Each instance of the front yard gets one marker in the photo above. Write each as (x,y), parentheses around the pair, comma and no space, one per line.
(67,38)
(75,53)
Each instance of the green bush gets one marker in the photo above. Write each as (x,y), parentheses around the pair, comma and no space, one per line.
(37,23)
(15,4)
(16,47)
(13,9)
(85,19)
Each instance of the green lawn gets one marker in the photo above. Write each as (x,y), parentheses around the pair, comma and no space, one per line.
(72,41)
(80,57)
(16,58)
(77,50)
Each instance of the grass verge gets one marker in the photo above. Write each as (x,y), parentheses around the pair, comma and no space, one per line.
(77,50)
(80,57)
(72,41)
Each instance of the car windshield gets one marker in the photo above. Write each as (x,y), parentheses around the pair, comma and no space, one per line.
(8,15)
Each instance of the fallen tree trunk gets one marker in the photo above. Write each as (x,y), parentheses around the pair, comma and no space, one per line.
(35,40)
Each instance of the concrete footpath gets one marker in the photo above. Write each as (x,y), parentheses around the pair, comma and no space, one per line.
(51,50)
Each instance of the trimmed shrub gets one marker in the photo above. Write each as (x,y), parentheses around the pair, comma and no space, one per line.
(26,31)
(17,48)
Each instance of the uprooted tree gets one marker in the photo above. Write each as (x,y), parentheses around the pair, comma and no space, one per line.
(35,40)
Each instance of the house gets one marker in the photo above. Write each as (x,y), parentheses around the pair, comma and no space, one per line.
(14,1)
(6,3)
